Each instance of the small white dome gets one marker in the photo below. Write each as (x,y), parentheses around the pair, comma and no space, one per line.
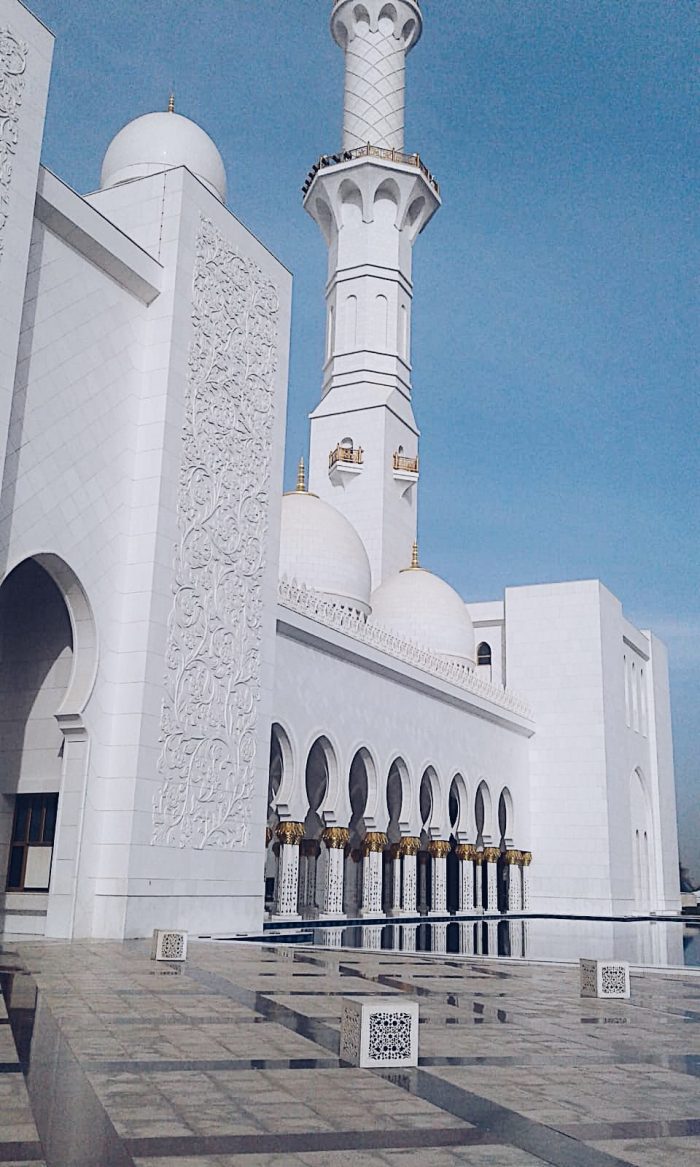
(320,548)
(419,606)
(162,141)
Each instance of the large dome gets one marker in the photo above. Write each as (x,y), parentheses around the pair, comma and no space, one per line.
(162,141)
(320,548)
(419,606)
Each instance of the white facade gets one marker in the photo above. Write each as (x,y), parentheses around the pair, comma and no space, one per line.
(213,697)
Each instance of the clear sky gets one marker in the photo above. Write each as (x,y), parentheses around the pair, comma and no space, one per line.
(554,325)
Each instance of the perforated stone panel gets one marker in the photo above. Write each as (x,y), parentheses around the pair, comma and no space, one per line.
(378,1031)
(169,945)
(605,978)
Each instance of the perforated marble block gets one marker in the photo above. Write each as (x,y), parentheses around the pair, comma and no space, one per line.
(605,978)
(379,1031)
(168,944)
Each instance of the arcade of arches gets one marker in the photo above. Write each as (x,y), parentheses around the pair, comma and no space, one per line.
(314,869)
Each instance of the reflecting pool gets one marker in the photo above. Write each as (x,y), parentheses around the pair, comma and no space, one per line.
(660,943)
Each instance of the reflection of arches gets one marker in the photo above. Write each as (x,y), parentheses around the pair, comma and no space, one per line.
(643,880)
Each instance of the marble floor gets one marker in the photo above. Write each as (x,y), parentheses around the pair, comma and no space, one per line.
(107,1059)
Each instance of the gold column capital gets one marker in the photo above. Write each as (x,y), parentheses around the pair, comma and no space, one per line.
(336,838)
(290,833)
(491,854)
(409,845)
(374,841)
(439,848)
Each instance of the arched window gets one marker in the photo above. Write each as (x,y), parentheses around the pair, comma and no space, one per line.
(483,654)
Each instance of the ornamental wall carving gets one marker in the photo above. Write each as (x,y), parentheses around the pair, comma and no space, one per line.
(213,658)
(13,64)
(308,603)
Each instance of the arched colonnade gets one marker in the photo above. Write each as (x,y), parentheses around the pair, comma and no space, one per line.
(397,842)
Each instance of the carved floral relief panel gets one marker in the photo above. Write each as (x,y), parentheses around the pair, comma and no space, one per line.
(213,657)
(13,64)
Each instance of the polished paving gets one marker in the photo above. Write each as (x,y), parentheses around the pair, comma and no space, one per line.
(107,1059)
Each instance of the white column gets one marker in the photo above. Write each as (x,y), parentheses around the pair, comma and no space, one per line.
(373,846)
(336,839)
(439,849)
(465,855)
(290,835)
(478,861)
(527,860)
(409,885)
(515,887)
(491,858)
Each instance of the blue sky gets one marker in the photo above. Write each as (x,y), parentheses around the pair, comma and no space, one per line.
(554,327)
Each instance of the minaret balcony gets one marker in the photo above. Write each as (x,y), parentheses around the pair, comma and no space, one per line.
(369,151)
(345,460)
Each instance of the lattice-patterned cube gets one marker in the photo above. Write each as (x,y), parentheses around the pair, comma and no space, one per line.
(168,944)
(609,979)
(379,1031)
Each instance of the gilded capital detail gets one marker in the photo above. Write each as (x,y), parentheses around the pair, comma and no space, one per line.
(13,63)
(336,838)
(213,660)
(374,841)
(409,845)
(439,848)
(290,833)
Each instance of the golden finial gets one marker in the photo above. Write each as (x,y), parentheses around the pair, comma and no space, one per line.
(414,556)
(301,477)
(171,103)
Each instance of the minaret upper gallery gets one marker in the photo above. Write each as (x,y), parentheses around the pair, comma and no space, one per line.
(371,201)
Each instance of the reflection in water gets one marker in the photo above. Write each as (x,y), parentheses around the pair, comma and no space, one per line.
(641,942)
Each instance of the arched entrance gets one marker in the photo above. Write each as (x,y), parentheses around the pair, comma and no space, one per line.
(47,669)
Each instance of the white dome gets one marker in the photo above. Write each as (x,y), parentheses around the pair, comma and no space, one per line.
(161,141)
(320,548)
(416,605)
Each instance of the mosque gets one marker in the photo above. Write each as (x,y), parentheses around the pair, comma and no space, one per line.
(219,704)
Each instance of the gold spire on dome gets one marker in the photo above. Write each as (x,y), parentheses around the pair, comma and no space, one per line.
(171,103)
(301,478)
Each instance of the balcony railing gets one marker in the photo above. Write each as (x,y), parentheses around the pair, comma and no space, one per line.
(345,454)
(369,151)
(408,465)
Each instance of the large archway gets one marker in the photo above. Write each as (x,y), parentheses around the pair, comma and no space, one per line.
(47,669)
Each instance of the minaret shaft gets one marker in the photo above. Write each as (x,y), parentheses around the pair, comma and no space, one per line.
(371,202)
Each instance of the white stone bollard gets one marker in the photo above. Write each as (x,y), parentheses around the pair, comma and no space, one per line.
(168,944)
(605,978)
(379,1031)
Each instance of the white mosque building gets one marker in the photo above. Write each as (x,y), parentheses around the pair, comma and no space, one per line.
(219,704)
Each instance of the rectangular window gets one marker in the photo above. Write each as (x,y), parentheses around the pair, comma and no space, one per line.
(31,848)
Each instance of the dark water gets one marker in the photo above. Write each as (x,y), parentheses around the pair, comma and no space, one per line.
(661,943)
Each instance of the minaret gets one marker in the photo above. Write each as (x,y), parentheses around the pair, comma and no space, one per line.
(371,201)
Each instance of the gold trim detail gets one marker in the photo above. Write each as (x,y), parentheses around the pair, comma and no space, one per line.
(439,848)
(336,838)
(290,833)
(374,841)
(491,854)
(409,845)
